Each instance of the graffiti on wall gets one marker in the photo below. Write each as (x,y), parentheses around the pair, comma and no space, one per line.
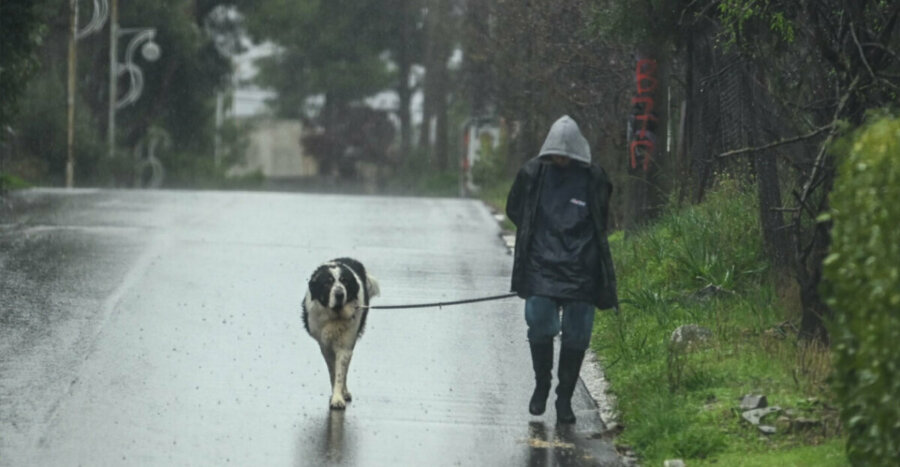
(643,141)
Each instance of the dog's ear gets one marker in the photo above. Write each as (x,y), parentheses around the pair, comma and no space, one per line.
(320,283)
(372,286)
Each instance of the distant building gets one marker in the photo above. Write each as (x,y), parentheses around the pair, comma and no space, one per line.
(275,151)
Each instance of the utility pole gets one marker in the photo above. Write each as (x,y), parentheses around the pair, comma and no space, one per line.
(94,25)
(113,76)
(70,101)
(220,117)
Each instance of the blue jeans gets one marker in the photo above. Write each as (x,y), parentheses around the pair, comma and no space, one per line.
(542,316)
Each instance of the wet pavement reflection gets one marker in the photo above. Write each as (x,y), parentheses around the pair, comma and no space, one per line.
(333,447)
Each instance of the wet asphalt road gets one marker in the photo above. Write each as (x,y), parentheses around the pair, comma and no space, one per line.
(163,328)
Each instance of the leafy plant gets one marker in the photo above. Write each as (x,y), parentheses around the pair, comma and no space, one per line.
(22,29)
(490,168)
(739,15)
(863,288)
(718,243)
(11,182)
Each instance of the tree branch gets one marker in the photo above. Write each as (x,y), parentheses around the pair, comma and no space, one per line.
(862,54)
(823,150)
(782,142)
(883,48)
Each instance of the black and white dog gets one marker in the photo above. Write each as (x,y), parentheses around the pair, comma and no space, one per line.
(334,314)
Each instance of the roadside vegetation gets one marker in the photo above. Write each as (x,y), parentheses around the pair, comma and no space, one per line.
(705,265)
(11,182)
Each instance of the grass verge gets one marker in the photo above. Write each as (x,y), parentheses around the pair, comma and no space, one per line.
(11,182)
(705,265)
(494,195)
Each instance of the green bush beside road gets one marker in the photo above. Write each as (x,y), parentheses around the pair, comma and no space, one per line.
(863,289)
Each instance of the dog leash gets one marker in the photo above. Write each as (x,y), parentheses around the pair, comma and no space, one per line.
(439,304)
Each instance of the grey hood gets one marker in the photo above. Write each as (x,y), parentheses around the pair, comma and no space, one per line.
(565,139)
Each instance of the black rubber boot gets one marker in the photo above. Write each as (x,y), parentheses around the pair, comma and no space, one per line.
(569,368)
(542,361)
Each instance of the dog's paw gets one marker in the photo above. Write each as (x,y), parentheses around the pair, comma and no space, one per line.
(338,403)
(347,396)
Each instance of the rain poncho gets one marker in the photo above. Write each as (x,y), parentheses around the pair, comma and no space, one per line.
(560,215)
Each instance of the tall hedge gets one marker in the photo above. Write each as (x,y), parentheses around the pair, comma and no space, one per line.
(862,276)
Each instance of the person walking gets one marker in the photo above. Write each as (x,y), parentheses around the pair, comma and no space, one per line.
(559,203)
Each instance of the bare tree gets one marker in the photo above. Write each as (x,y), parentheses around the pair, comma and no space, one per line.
(843,62)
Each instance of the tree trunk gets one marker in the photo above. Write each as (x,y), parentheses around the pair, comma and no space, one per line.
(765,166)
(441,137)
(478,73)
(435,109)
(815,312)
(771,219)
(429,41)
(404,64)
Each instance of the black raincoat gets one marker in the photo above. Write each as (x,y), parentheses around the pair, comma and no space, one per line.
(522,206)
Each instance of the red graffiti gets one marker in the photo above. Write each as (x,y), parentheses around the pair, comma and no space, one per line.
(644,105)
(646,68)
(645,117)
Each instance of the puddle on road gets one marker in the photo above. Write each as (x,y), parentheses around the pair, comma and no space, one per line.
(552,444)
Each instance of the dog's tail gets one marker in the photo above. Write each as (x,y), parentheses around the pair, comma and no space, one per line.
(372,286)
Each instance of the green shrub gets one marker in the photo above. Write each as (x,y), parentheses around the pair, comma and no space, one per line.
(41,135)
(719,242)
(862,276)
(490,168)
(11,182)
